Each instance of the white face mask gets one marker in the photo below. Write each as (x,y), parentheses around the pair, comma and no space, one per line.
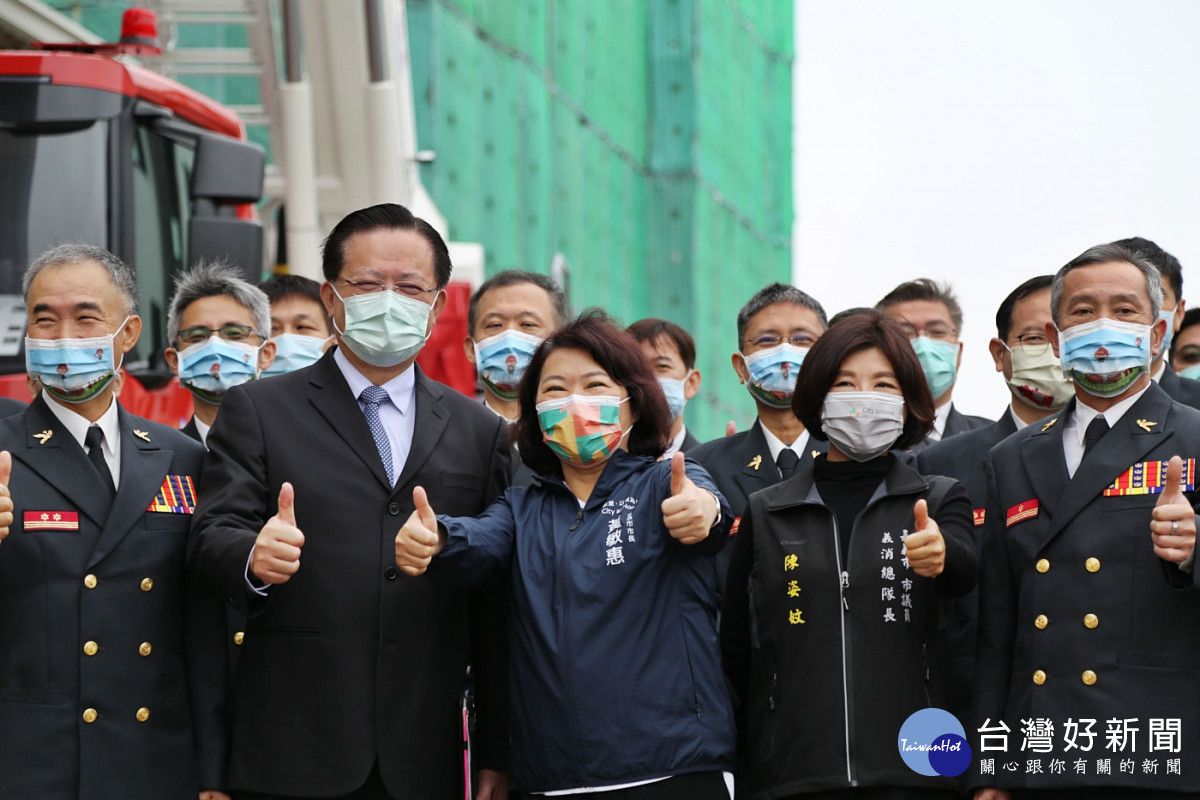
(862,425)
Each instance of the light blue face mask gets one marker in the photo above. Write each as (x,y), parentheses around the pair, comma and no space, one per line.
(1191,373)
(501,360)
(212,367)
(73,370)
(939,362)
(673,389)
(1169,316)
(384,328)
(773,373)
(294,351)
(1105,356)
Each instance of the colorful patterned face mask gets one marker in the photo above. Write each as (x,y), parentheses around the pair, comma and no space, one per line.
(582,429)
(1104,356)
(501,360)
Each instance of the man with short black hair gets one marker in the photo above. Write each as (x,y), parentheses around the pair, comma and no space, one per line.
(933,319)
(300,328)
(671,352)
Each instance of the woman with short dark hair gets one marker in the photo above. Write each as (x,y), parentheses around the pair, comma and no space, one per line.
(831,605)
(615,666)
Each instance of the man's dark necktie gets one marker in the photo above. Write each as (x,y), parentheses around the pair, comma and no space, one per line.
(787,461)
(372,397)
(1095,431)
(94,442)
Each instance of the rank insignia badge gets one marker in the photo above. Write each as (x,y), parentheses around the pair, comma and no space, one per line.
(44,436)
(979,514)
(755,462)
(1021,512)
(1148,477)
(176,496)
(51,520)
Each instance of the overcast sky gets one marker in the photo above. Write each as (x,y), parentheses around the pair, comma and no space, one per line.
(985,143)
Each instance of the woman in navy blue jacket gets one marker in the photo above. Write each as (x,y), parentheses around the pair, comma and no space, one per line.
(615,673)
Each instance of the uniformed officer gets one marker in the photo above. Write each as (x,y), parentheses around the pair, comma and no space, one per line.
(111,665)
(1089,641)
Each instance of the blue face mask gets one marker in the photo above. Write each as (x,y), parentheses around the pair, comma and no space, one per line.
(1191,373)
(773,373)
(73,370)
(501,360)
(673,389)
(939,362)
(294,351)
(212,367)
(1167,314)
(1105,356)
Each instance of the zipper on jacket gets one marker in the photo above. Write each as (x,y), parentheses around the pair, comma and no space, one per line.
(578,519)
(847,683)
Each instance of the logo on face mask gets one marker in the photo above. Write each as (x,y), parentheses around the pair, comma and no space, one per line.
(210,368)
(73,370)
(1037,377)
(773,373)
(1105,357)
(583,430)
(501,360)
(862,425)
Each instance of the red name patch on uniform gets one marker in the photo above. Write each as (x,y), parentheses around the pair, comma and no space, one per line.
(737,521)
(979,514)
(1021,512)
(51,520)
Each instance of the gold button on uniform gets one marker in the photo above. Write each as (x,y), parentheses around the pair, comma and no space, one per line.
(147,584)
(143,714)
(239,637)
(1092,565)
(89,715)
(90,581)
(1041,621)
(1039,677)
(90,648)
(1088,677)
(1091,621)
(144,649)
(1043,565)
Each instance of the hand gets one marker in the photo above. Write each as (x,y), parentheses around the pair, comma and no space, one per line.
(418,541)
(730,428)
(990,794)
(6,503)
(276,556)
(492,785)
(925,547)
(1173,527)
(689,513)
(213,794)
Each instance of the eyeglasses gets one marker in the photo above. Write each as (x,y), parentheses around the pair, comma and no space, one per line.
(771,340)
(371,287)
(935,330)
(230,333)
(1035,343)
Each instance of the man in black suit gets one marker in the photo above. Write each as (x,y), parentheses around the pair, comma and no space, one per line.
(350,672)
(931,315)
(1179,389)
(775,329)
(216,319)
(1022,352)
(110,662)
(671,352)
(1088,604)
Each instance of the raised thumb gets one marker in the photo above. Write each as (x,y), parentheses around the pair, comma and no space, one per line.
(730,428)
(921,515)
(423,509)
(5,467)
(1172,485)
(287,504)
(678,475)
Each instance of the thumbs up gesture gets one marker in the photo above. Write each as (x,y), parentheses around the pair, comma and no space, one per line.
(419,540)
(690,512)
(925,547)
(276,555)
(6,503)
(1173,527)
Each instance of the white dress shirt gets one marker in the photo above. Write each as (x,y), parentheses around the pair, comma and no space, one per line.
(77,425)
(202,428)
(940,415)
(398,417)
(1075,428)
(676,443)
(776,445)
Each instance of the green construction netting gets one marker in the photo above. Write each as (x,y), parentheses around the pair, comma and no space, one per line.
(647,141)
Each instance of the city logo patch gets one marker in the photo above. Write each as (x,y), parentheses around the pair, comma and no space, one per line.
(1148,478)
(177,495)
(1021,512)
(979,514)
(933,742)
(51,520)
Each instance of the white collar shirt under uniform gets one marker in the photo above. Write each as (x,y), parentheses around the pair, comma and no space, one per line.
(1075,428)
(77,425)
(776,445)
